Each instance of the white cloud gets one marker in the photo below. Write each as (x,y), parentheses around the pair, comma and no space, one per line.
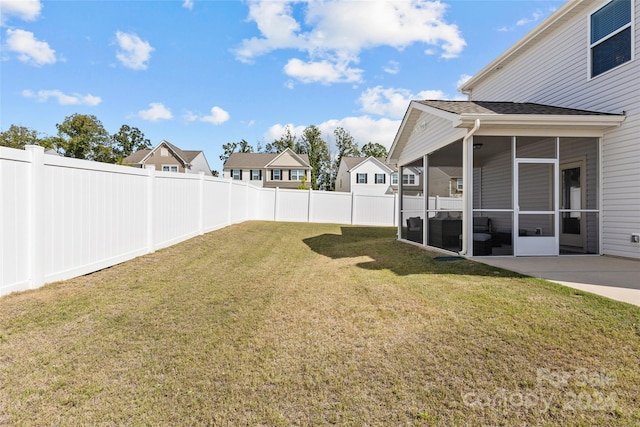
(157,111)
(392,67)
(63,99)
(27,10)
(364,129)
(336,31)
(392,102)
(188,4)
(29,49)
(217,116)
(134,53)
(536,16)
(324,71)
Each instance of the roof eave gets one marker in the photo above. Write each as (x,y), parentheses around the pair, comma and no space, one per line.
(594,122)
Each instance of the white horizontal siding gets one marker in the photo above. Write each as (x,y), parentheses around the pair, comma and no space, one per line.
(437,133)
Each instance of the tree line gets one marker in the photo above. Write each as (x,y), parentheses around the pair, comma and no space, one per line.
(81,136)
(324,168)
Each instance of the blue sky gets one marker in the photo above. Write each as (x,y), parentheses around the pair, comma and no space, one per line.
(203,73)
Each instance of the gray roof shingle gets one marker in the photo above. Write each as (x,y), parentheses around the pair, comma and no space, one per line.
(488,107)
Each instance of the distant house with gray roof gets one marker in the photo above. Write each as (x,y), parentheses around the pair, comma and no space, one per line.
(270,170)
(167,157)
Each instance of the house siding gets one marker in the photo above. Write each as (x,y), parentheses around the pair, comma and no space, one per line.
(555,71)
(436,134)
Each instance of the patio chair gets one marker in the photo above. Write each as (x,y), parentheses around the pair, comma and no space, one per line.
(482,238)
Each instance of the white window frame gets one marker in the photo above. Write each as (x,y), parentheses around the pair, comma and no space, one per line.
(410,179)
(380,175)
(169,168)
(359,180)
(236,174)
(256,175)
(297,174)
(591,45)
(394,178)
(459,184)
(276,174)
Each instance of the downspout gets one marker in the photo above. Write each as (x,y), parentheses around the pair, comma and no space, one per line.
(465,180)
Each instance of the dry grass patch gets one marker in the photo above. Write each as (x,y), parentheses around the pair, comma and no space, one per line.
(314,324)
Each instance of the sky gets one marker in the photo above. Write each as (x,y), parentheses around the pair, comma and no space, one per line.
(200,74)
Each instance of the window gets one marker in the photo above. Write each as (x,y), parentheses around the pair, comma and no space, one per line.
(276,174)
(236,174)
(297,174)
(459,184)
(169,168)
(610,36)
(256,175)
(409,179)
(380,178)
(361,178)
(394,178)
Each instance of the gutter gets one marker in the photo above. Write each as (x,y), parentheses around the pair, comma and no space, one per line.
(465,181)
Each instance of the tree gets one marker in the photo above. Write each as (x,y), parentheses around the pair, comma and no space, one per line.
(287,140)
(346,147)
(215,173)
(84,137)
(18,137)
(127,141)
(372,149)
(233,147)
(312,144)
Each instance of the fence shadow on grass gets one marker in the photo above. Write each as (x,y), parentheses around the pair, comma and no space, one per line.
(387,253)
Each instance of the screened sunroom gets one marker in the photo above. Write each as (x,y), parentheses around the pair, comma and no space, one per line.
(501,179)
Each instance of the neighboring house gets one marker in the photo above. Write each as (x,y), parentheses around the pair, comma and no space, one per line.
(283,170)
(548,142)
(370,175)
(169,158)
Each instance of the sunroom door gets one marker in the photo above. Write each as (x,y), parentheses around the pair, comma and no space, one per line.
(536,209)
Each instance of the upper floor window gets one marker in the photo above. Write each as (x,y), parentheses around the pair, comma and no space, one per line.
(236,174)
(276,174)
(408,179)
(256,174)
(610,38)
(169,168)
(297,174)
(361,178)
(380,178)
(394,178)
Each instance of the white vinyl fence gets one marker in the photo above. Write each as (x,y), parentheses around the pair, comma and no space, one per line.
(62,218)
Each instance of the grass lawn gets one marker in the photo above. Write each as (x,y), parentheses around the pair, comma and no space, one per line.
(313,324)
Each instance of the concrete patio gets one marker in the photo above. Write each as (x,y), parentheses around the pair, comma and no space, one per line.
(612,277)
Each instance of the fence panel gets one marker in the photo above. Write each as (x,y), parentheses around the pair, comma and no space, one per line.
(374,210)
(175,208)
(15,170)
(330,207)
(215,205)
(292,205)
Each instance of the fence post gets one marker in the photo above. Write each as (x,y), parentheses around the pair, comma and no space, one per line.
(201,204)
(151,181)
(229,199)
(353,207)
(437,202)
(36,209)
(309,205)
(275,205)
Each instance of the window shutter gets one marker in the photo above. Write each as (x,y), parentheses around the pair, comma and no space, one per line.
(260,174)
(240,174)
(289,174)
